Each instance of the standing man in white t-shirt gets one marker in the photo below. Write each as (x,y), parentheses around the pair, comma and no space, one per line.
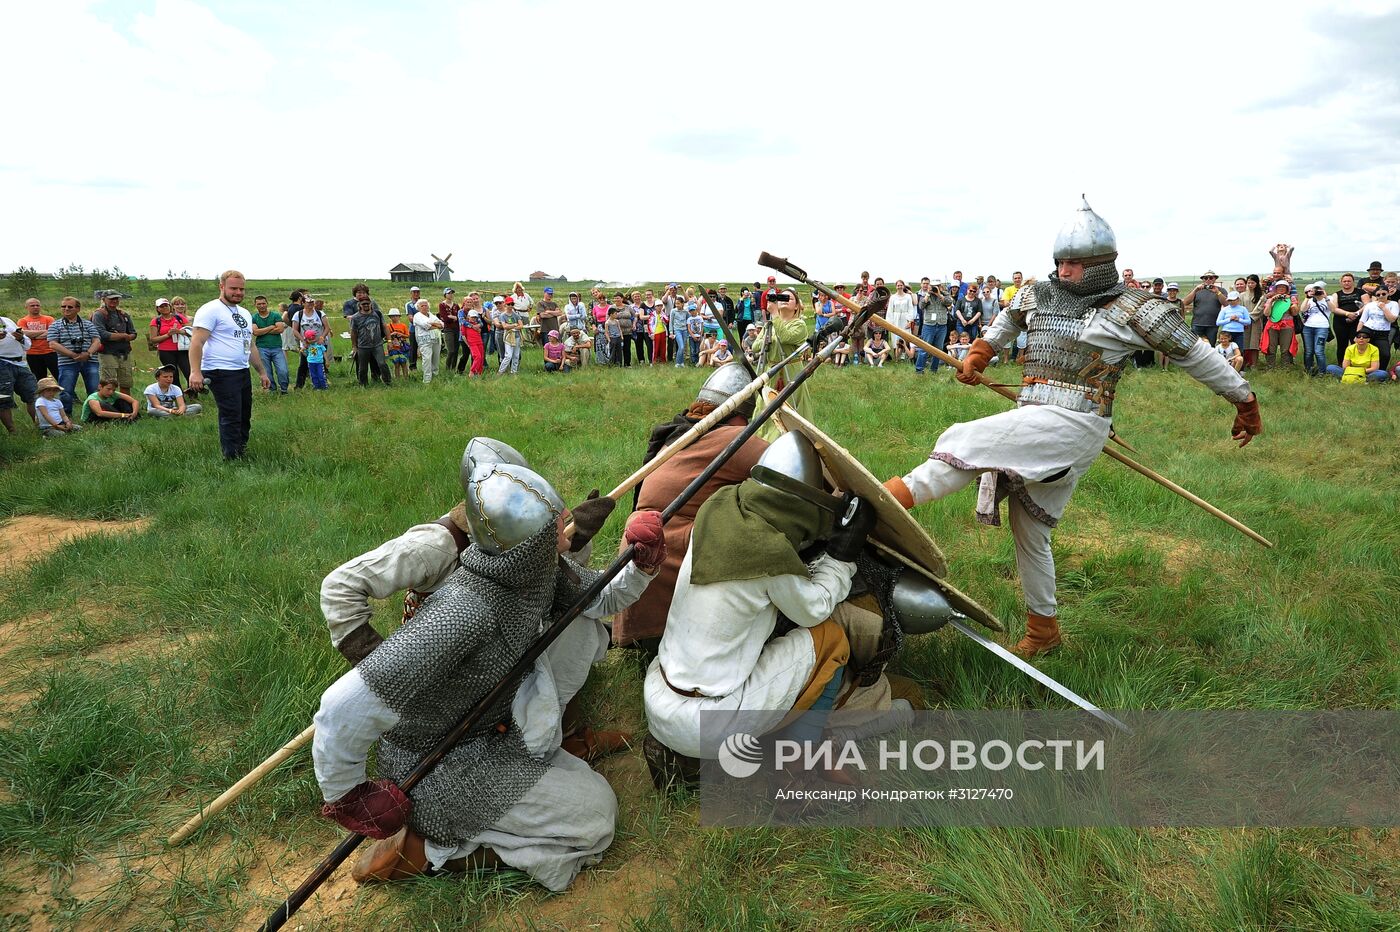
(220,353)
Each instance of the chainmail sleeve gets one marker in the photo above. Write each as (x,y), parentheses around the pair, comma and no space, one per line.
(1009,323)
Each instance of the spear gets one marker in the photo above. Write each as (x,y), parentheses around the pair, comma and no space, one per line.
(787,268)
(512,677)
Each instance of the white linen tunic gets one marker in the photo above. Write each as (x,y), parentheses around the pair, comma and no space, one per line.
(566,820)
(716,643)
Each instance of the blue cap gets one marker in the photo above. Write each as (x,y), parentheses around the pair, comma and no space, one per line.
(549,291)
(489,304)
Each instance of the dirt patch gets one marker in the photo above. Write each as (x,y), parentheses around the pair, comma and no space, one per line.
(1083,537)
(23,537)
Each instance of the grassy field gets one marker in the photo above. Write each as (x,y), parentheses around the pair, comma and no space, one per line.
(148,668)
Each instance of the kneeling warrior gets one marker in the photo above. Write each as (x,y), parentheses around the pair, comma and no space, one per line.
(1080,326)
(507,794)
(642,624)
(722,651)
(419,560)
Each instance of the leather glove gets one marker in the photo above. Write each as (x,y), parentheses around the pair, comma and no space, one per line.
(848,540)
(589,517)
(375,808)
(1247,423)
(645,532)
(360,643)
(896,487)
(977,359)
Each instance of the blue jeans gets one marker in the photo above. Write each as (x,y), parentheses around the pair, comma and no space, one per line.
(937,334)
(68,371)
(275,360)
(682,349)
(1380,375)
(1315,349)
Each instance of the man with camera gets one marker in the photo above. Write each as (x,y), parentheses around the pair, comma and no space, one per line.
(1205,301)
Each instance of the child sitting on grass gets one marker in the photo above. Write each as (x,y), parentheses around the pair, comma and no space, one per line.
(108,404)
(164,398)
(48,408)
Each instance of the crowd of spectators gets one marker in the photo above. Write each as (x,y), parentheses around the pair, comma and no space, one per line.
(1253,323)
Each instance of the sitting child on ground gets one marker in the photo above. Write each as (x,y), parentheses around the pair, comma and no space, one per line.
(164,398)
(48,410)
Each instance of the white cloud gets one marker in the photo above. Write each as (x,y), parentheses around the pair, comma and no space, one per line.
(628,140)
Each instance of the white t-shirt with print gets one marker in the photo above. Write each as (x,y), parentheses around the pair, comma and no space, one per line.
(166,398)
(230,335)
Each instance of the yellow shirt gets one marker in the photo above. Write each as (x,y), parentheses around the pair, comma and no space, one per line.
(1357,362)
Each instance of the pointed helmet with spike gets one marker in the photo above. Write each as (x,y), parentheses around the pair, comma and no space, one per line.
(1086,237)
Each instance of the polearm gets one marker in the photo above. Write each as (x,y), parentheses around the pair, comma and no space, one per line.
(699,429)
(787,268)
(522,666)
(736,348)
(242,786)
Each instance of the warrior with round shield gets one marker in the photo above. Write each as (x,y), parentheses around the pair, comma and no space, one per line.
(1080,326)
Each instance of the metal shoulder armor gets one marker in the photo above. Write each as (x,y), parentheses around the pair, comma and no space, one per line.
(1156,321)
(1022,303)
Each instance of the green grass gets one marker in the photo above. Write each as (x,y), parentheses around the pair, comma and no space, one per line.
(1164,606)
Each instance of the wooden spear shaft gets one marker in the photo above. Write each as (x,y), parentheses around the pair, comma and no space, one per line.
(1119,456)
(239,788)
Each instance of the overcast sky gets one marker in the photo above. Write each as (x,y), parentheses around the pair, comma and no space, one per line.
(664,140)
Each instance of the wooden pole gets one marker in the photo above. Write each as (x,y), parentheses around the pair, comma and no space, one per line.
(239,788)
(1193,499)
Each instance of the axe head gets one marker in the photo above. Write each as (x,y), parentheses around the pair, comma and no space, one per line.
(779,264)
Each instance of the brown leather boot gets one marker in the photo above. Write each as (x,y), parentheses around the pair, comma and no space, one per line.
(587,744)
(902,687)
(399,856)
(1042,635)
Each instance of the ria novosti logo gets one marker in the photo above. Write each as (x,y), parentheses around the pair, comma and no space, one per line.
(740,754)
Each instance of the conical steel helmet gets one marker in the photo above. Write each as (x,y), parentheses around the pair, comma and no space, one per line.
(506,504)
(482,450)
(794,456)
(723,383)
(1085,236)
(919,604)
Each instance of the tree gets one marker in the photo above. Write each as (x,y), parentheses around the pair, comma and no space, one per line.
(23,282)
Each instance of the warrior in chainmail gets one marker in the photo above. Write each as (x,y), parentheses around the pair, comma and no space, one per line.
(506,793)
(420,560)
(1080,327)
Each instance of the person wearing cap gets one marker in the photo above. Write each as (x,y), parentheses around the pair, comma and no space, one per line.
(450,335)
(41,358)
(1205,301)
(770,290)
(1316,313)
(547,312)
(510,327)
(52,420)
(1276,344)
(554,360)
(267,336)
(399,346)
(1375,274)
(415,294)
(1233,319)
(117,331)
(576,347)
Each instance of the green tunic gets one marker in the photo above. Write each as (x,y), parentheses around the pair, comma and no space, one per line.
(787,336)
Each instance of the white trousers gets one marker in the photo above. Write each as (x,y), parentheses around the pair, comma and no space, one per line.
(428,355)
(1034,561)
(510,359)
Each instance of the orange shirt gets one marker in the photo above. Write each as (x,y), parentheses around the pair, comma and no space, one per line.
(39,346)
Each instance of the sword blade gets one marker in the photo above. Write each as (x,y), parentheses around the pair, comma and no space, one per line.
(1041,678)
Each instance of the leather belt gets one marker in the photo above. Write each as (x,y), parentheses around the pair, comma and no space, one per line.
(688,693)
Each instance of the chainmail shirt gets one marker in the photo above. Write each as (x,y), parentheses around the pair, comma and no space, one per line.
(432,671)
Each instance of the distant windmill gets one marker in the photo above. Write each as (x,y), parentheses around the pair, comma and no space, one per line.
(442,272)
